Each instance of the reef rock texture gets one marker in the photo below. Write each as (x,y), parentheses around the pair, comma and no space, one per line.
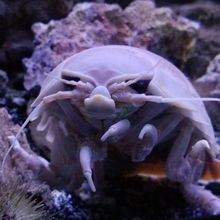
(140,24)
(12,172)
(207,46)
(208,85)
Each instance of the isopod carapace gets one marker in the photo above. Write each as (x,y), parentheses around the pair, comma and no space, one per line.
(123,98)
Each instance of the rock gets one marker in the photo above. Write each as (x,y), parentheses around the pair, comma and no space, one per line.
(17,182)
(17,45)
(140,24)
(16,18)
(17,171)
(66,207)
(13,96)
(207,46)
(170,2)
(164,27)
(208,85)
(23,13)
(4,82)
(123,4)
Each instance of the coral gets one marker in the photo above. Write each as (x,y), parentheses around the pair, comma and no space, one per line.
(140,24)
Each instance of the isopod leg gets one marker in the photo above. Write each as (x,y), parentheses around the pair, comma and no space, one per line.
(177,167)
(195,159)
(61,95)
(183,165)
(200,197)
(86,164)
(117,131)
(151,134)
(147,139)
(192,167)
(36,163)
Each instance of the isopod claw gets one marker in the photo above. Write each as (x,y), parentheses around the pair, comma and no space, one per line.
(85,156)
(148,138)
(117,131)
(88,176)
(34,162)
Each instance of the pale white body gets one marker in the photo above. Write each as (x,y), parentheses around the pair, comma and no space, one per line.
(121,97)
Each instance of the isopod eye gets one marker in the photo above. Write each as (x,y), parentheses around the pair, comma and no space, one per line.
(70,78)
(140,86)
